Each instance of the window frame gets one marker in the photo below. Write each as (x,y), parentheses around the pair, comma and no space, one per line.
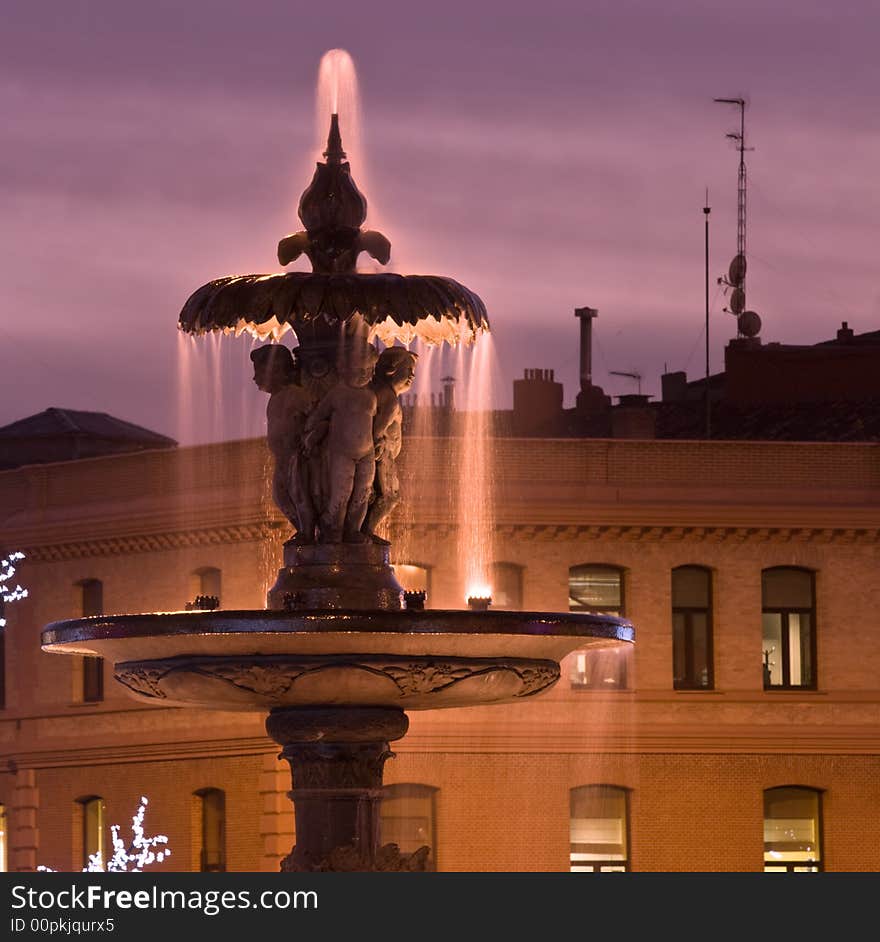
(202,794)
(596,866)
(785,645)
(518,570)
(593,658)
(398,790)
(797,866)
(84,804)
(688,611)
(200,579)
(426,568)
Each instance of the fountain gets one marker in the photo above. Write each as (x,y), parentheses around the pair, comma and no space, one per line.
(340,652)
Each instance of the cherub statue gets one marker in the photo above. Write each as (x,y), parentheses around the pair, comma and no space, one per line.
(342,425)
(276,372)
(394,375)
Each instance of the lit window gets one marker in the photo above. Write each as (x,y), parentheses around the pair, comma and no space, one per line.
(212,814)
(789,634)
(93,842)
(598,825)
(507,586)
(91,602)
(792,830)
(598,589)
(4,840)
(406,818)
(692,628)
(205,582)
(414,578)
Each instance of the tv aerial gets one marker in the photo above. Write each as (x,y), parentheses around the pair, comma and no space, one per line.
(636,376)
(748,323)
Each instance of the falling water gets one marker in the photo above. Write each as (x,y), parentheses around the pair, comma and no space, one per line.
(476,474)
(419,446)
(216,397)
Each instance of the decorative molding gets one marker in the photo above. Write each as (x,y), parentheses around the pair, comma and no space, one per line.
(544,533)
(150,542)
(727,534)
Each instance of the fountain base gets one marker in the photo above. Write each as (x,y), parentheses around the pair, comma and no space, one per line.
(336,576)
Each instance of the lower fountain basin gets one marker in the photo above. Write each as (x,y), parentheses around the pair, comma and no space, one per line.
(264,660)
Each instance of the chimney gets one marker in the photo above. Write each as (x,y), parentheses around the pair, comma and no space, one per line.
(673,386)
(586,315)
(591,400)
(633,417)
(448,383)
(537,404)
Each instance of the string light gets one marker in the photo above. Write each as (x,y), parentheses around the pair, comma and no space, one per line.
(7,571)
(142,851)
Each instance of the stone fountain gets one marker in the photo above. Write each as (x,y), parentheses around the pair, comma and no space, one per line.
(340,652)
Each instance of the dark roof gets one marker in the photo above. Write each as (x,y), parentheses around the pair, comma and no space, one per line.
(798,422)
(54,422)
(68,434)
(870,338)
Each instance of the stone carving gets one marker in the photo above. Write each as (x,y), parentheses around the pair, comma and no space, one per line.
(142,680)
(273,678)
(537,677)
(342,424)
(293,484)
(394,375)
(266,680)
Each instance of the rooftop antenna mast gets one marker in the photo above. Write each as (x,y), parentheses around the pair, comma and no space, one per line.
(748,324)
(636,376)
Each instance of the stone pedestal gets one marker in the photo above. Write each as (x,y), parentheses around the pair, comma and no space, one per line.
(336,576)
(336,757)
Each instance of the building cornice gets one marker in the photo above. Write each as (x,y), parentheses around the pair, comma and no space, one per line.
(148,542)
(540,533)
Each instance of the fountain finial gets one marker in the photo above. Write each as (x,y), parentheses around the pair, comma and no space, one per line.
(334,153)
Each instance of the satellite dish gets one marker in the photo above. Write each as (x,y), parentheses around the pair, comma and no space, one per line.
(749,324)
(737,301)
(737,272)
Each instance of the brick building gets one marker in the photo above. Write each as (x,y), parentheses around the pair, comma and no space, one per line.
(742,730)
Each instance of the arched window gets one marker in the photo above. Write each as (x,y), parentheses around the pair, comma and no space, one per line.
(599,826)
(507,586)
(91,602)
(4,840)
(692,628)
(792,830)
(598,589)
(212,814)
(206,582)
(414,578)
(788,603)
(91,810)
(406,818)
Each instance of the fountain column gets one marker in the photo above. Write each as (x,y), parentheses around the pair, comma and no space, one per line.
(336,757)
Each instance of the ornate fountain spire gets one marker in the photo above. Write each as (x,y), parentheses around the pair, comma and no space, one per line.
(334,153)
(333,209)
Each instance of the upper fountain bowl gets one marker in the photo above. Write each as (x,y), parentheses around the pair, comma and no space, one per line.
(263,660)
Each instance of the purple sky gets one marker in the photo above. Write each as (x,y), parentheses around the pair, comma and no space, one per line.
(548,159)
